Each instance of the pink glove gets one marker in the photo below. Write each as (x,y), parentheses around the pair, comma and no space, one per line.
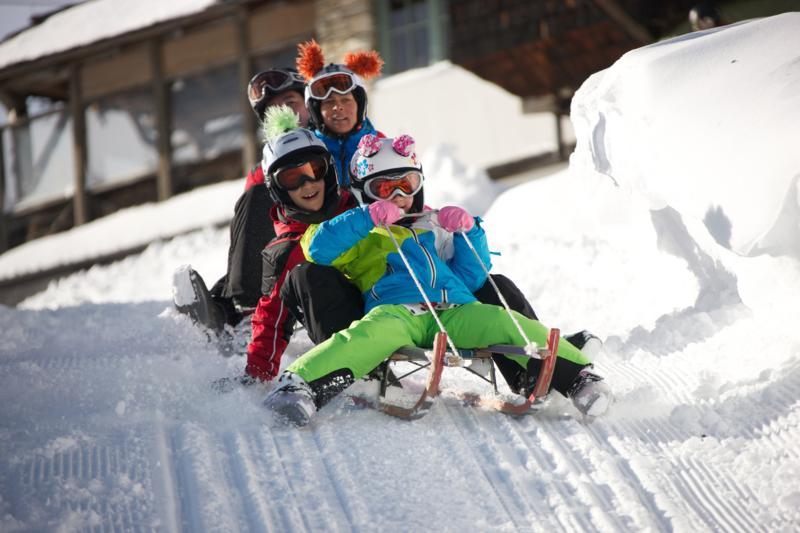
(453,219)
(384,212)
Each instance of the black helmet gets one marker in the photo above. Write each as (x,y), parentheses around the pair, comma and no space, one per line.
(268,83)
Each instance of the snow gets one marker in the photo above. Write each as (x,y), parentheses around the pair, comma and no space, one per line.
(125,229)
(740,181)
(58,32)
(108,421)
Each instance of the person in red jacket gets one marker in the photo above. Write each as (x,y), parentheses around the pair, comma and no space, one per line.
(235,295)
(300,177)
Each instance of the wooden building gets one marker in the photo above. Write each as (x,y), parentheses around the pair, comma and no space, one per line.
(107,113)
(114,103)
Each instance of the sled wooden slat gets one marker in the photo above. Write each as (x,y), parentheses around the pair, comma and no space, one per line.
(440,353)
(412,353)
(542,381)
(426,399)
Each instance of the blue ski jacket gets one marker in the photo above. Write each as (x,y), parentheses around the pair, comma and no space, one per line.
(343,148)
(443,263)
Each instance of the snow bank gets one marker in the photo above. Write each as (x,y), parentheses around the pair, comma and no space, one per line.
(125,229)
(448,181)
(707,124)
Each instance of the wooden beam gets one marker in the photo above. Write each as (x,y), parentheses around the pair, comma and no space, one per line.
(3,224)
(562,149)
(618,14)
(250,146)
(80,199)
(163,107)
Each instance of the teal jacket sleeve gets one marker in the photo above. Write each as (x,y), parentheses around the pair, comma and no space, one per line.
(328,243)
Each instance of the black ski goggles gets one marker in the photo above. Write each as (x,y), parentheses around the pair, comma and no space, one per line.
(270,82)
(292,177)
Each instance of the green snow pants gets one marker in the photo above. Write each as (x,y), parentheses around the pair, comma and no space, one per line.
(364,345)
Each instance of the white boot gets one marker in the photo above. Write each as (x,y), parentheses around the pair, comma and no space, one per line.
(293,400)
(590,394)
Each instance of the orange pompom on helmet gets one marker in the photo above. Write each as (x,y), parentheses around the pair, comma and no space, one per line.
(344,78)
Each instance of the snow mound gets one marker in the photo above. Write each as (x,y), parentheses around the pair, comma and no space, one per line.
(707,124)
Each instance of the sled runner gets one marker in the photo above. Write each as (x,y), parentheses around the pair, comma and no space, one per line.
(438,357)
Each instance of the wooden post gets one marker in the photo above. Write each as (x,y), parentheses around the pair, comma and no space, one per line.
(80,201)
(562,151)
(3,225)
(164,185)
(250,153)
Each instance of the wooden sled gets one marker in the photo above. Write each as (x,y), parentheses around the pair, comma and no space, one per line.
(438,357)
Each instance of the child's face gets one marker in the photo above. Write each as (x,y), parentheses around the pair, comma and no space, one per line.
(403,202)
(311,195)
(339,112)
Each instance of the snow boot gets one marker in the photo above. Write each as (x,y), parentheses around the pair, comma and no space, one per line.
(588,343)
(293,400)
(192,298)
(590,395)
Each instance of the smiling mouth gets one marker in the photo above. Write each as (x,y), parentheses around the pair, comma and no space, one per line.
(310,196)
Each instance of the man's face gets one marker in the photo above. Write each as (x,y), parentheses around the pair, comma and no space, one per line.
(339,112)
(294,100)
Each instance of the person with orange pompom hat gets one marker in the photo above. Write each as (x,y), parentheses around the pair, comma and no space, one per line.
(336,99)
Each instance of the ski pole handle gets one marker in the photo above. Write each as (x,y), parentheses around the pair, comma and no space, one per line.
(424,214)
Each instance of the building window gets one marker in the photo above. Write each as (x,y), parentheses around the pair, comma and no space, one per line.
(411,33)
(206,115)
(38,160)
(121,138)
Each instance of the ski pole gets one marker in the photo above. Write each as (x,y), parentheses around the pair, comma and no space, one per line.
(422,291)
(530,347)
(417,283)
(424,214)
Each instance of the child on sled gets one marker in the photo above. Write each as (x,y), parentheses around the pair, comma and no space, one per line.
(388,176)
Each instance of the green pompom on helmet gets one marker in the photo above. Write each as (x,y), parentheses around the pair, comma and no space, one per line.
(277,121)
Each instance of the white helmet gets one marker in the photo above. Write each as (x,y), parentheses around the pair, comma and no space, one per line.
(377,156)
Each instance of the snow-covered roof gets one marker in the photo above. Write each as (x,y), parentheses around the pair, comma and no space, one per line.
(90,22)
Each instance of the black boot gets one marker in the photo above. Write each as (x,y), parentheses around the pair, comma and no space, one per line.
(192,298)
(588,343)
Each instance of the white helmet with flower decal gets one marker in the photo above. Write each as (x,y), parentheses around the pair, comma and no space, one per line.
(380,158)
